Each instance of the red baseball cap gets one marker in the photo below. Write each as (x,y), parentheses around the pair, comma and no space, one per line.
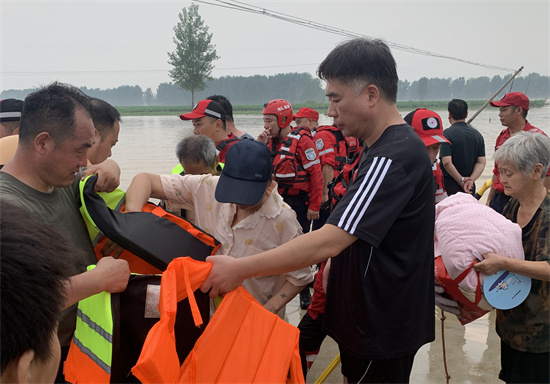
(517,99)
(427,124)
(307,113)
(204,108)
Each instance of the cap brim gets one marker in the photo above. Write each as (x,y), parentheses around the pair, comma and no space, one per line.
(191,116)
(437,139)
(499,104)
(237,191)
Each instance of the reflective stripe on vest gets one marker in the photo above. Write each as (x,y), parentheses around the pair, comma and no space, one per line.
(93,337)
(296,178)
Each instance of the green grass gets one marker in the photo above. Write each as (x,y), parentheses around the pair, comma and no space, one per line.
(321,107)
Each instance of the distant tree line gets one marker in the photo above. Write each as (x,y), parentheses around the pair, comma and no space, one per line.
(301,88)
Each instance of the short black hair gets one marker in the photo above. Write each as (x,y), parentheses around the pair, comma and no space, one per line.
(104,116)
(458,109)
(226,105)
(32,281)
(362,61)
(52,109)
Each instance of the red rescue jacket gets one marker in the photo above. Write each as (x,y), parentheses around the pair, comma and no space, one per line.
(332,147)
(297,168)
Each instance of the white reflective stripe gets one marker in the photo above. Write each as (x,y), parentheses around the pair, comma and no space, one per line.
(285,149)
(283,175)
(439,191)
(6,115)
(297,137)
(440,138)
(213,113)
(307,165)
(92,355)
(326,151)
(364,195)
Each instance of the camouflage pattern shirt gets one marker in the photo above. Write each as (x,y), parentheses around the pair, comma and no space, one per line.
(526,327)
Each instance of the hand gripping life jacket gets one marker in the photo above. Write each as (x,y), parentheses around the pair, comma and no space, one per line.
(243,343)
(289,169)
(340,149)
(111,328)
(151,239)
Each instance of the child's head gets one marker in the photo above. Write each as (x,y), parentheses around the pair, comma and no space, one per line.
(427,124)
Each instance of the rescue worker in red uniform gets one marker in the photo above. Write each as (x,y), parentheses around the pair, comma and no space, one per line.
(296,163)
(208,119)
(296,167)
(427,124)
(332,147)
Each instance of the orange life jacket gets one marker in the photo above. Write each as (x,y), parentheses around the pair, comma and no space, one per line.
(288,168)
(243,343)
(151,239)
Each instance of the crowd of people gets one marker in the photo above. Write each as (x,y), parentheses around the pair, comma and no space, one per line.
(355,199)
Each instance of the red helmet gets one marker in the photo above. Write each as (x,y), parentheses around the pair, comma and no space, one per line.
(280,108)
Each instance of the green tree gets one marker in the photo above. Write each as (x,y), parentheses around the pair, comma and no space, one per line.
(194,54)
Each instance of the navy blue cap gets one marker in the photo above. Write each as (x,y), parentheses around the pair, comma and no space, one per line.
(10,109)
(246,172)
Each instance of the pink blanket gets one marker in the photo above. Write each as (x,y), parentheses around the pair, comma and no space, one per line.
(464,227)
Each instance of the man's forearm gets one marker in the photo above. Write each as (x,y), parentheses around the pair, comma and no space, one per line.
(287,292)
(451,169)
(478,168)
(142,187)
(302,251)
(328,176)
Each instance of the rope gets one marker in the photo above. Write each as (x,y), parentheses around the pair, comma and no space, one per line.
(448,377)
(328,370)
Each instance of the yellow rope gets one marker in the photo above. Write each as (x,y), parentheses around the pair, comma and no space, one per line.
(328,370)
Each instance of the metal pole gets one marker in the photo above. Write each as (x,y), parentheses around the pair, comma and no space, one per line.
(492,97)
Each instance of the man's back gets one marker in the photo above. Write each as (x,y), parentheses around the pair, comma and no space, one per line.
(385,274)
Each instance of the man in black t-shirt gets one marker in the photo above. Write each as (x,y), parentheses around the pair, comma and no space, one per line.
(380,295)
(463,161)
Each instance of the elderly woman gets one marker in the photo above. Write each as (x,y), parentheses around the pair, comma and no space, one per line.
(524,330)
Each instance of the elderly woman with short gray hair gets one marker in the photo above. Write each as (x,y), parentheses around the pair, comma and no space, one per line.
(523,161)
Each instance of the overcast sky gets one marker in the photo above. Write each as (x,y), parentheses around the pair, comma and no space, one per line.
(105,44)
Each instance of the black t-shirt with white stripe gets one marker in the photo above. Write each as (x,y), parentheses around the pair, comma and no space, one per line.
(380,296)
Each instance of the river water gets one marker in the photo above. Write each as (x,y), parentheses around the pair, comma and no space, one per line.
(148,143)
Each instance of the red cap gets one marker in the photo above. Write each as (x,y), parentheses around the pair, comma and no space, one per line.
(307,113)
(427,125)
(517,99)
(203,108)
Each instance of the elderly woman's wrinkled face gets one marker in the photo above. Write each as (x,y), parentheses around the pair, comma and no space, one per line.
(515,182)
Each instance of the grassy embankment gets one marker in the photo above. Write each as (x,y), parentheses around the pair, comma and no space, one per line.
(321,107)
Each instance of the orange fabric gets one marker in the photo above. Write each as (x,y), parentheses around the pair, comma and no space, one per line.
(137,264)
(243,343)
(79,368)
(469,311)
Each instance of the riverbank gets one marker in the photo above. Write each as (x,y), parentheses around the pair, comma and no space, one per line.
(161,110)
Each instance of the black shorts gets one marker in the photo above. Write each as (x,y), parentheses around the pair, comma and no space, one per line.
(373,371)
(523,367)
